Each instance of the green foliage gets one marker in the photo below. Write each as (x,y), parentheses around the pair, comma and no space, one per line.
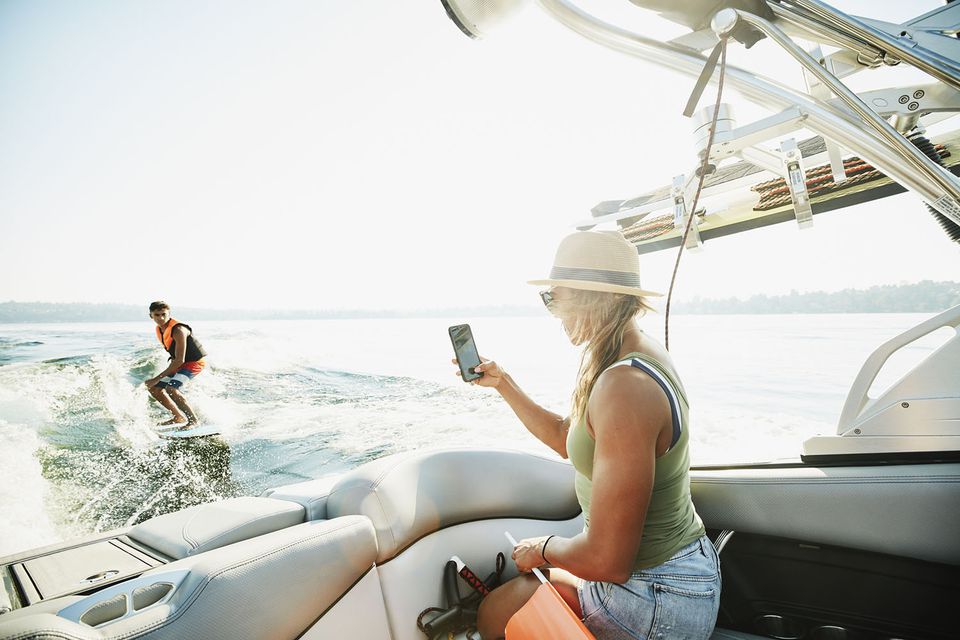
(921,297)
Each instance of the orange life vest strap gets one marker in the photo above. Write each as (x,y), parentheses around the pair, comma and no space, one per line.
(166,337)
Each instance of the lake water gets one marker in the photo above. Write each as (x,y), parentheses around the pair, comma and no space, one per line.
(303,399)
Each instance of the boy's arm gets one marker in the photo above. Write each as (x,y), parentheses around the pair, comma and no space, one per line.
(180,353)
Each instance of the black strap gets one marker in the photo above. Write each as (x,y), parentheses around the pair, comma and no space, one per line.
(704,78)
(460,614)
(672,398)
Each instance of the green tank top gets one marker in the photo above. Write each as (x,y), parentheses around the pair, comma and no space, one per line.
(671,522)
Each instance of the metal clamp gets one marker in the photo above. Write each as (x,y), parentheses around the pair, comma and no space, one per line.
(948,200)
(678,193)
(797,182)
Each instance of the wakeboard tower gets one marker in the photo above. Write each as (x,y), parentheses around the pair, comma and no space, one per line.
(823,147)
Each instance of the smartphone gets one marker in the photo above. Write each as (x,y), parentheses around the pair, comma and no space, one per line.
(466,351)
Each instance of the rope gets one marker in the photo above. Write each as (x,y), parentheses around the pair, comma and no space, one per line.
(696,198)
(774,193)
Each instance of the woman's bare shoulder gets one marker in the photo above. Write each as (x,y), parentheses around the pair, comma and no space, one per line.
(626,385)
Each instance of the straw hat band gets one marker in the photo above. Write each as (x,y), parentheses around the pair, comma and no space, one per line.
(596,261)
(621,278)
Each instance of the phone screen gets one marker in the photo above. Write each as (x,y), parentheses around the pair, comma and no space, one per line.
(465,350)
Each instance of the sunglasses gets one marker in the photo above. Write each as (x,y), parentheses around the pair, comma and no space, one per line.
(547,297)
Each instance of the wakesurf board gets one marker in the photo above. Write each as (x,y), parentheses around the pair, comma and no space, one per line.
(198,431)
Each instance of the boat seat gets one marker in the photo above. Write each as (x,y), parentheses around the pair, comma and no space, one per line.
(208,526)
(273,586)
(409,496)
(311,494)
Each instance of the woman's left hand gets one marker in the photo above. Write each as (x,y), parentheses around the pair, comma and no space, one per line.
(528,554)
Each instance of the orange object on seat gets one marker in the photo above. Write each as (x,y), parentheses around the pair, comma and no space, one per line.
(546,617)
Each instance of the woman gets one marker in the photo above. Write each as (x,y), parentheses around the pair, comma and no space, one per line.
(643,566)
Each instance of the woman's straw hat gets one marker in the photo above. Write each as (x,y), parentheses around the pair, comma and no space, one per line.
(597,261)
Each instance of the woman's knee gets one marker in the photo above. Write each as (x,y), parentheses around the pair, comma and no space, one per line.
(498,607)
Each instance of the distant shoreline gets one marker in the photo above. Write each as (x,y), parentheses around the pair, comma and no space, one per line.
(921,297)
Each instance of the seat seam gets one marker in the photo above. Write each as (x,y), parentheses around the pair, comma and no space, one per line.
(245,523)
(195,596)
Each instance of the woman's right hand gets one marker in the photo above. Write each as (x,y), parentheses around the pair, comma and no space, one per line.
(492,373)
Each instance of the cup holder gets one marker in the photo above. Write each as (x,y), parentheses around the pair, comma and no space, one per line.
(779,627)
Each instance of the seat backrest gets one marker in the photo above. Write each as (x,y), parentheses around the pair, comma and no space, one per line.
(410,495)
(272,586)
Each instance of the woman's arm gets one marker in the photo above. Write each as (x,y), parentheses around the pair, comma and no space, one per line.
(549,427)
(627,411)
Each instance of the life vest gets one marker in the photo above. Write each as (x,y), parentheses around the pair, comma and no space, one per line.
(195,350)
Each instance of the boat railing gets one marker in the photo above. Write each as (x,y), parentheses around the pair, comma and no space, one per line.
(918,414)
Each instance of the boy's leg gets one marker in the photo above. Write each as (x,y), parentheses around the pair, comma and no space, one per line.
(181,403)
(159,393)
(171,386)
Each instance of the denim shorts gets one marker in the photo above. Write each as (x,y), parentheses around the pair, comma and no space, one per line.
(675,600)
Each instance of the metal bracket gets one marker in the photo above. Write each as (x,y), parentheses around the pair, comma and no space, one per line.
(935,55)
(919,35)
(818,90)
(765,159)
(946,198)
(854,126)
(730,143)
(697,40)
(680,193)
(915,100)
(854,51)
(797,182)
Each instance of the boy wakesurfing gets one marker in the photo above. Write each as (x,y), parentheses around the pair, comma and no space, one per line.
(186,361)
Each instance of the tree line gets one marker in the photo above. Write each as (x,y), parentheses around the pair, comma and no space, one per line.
(920,297)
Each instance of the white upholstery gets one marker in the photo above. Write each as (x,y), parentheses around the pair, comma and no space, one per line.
(208,526)
(412,580)
(408,496)
(312,495)
(359,614)
(900,510)
(273,586)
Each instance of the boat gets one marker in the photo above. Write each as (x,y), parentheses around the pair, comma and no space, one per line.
(855,538)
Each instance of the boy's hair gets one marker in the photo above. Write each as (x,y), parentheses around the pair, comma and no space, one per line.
(159,305)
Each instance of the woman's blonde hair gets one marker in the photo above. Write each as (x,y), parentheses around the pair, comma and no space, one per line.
(598,320)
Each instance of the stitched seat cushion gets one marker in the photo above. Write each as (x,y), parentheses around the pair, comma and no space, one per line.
(408,496)
(208,526)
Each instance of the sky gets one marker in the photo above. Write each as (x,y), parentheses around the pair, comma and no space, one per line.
(321,154)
